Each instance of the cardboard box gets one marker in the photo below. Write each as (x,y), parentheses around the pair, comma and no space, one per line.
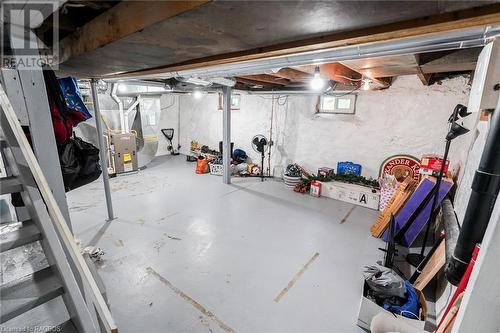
(315,189)
(352,193)
(369,309)
(326,172)
(433,163)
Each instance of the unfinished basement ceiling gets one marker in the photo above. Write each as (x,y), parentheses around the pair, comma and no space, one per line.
(180,32)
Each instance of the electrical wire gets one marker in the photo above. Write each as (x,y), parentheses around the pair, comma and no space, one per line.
(284,102)
(270,138)
(348,78)
(343,94)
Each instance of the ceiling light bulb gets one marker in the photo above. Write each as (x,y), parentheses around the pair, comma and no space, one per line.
(317,83)
(197,94)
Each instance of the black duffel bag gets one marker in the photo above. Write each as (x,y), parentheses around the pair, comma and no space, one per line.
(79,163)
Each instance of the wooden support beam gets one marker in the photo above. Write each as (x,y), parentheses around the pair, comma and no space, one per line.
(267,79)
(453,21)
(124,19)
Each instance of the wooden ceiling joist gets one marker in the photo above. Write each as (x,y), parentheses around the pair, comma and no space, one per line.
(124,19)
(293,74)
(95,4)
(266,78)
(334,71)
(454,61)
(340,73)
(383,82)
(446,22)
(423,77)
(254,83)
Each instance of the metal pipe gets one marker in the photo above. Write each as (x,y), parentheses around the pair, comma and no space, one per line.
(120,106)
(226,135)
(102,149)
(295,92)
(462,39)
(139,82)
(485,188)
(151,94)
(130,108)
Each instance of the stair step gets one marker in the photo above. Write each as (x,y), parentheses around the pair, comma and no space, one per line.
(10,185)
(25,234)
(67,327)
(48,316)
(28,292)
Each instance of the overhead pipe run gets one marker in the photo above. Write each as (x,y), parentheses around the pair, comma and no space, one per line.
(129,110)
(462,39)
(485,188)
(120,107)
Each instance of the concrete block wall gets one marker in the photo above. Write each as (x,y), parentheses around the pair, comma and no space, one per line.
(169,118)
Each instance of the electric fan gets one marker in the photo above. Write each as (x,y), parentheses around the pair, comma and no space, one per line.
(260,144)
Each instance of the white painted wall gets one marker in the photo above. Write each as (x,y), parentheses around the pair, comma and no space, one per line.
(407,118)
(169,118)
(201,120)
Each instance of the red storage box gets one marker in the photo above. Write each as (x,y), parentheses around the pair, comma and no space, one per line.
(433,162)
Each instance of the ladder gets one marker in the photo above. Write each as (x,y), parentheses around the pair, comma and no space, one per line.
(66,275)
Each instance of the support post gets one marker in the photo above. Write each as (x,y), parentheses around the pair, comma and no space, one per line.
(102,149)
(226,135)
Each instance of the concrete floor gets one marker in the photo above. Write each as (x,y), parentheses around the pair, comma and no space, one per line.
(187,253)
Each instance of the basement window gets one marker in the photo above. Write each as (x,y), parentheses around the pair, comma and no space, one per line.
(337,104)
(235,102)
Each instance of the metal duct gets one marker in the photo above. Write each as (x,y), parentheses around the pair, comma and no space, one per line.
(120,106)
(429,43)
(485,187)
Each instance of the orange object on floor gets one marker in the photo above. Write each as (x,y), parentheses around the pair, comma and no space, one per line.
(202,166)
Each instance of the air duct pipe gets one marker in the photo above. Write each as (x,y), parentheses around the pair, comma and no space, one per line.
(120,107)
(475,37)
(127,113)
(485,187)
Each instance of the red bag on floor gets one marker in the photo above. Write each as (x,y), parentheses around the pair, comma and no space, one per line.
(202,166)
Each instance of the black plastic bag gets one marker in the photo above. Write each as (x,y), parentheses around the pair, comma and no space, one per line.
(70,165)
(384,281)
(79,163)
(89,157)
